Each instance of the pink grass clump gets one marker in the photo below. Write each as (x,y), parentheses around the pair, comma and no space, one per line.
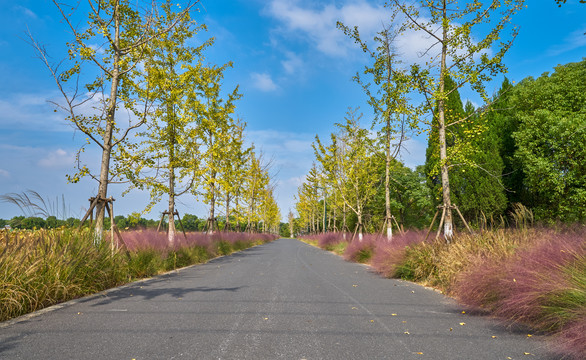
(151,239)
(361,251)
(329,239)
(543,286)
(388,254)
(571,341)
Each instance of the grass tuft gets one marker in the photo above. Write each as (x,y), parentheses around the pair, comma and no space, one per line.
(44,267)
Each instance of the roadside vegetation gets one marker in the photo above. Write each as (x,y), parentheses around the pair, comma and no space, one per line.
(530,276)
(40,268)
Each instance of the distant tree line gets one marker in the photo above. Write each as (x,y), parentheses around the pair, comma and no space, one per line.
(131,222)
(527,149)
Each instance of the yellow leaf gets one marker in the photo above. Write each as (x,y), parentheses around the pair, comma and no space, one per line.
(393,314)
(266,318)
(463,312)
(529,335)
(526,353)
(494,337)
(419,353)
(462,324)
(406,332)
(371,320)
(355,285)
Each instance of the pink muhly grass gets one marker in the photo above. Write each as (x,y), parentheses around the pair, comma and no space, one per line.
(361,251)
(571,341)
(145,239)
(543,286)
(389,254)
(151,239)
(543,283)
(329,239)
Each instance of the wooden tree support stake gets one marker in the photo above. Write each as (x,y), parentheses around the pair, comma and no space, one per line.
(443,207)
(175,213)
(109,205)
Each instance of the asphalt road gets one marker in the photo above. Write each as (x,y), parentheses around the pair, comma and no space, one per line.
(284,300)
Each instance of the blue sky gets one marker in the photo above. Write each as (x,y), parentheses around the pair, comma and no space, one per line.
(293,66)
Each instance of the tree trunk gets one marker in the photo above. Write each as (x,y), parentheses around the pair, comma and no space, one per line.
(171,234)
(344,221)
(360,237)
(107,144)
(448,224)
(212,220)
(171,145)
(387,181)
(227,224)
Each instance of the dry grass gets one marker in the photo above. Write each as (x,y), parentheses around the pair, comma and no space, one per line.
(44,267)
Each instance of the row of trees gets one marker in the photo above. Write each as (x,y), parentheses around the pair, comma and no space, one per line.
(134,221)
(511,150)
(153,83)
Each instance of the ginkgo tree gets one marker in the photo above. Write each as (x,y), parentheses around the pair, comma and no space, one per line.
(216,130)
(112,45)
(388,96)
(467,45)
(349,162)
(165,159)
(231,165)
(253,194)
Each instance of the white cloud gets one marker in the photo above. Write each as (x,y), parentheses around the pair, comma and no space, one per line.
(318,25)
(28,12)
(58,159)
(26,111)
(263,82)
(292,156)
(575,40)
(292,64)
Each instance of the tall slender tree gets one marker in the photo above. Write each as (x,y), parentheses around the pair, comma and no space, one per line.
(388,99)
(165,159)
(123,31)
(463,53)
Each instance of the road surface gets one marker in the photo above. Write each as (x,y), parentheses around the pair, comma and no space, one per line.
(282,300)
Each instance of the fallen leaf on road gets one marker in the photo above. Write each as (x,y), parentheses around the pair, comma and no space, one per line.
(393,314)
(354,308)
(494,337)
(529,335)
(354,285)
(419,353)
(451,329)
(266,318)
(526,353)
(404,322)
(406,332)
(413,292)
(462,324)
(463,312)
(371,320)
